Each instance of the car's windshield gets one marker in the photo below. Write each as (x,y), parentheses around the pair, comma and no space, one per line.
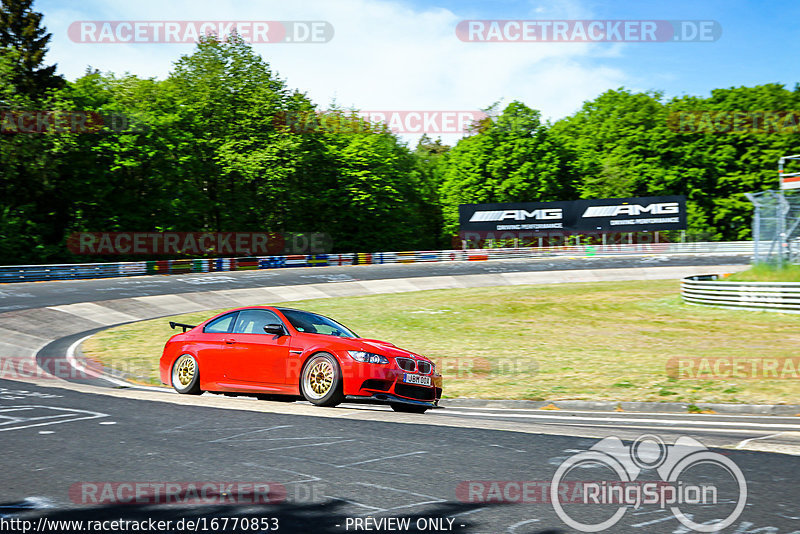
(311,323)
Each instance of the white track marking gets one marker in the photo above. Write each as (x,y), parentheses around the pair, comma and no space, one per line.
(413,505)
(660,428)
(82,415)
(12,420)
(669,517)
(563,411)
(468,512)
(310,445)
(75,364)
(250,432)
(283,439)
(746,441)
(354,503)
(513,528)
(624,420)
(429,498)
(383,458)
(378,486)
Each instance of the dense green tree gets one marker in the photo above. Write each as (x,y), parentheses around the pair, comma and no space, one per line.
(24,41)
(511,158)
(223,144)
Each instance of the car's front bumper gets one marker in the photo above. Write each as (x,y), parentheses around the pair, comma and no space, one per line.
(388,398)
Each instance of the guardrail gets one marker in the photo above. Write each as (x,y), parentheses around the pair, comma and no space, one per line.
(713,290)
(36,273)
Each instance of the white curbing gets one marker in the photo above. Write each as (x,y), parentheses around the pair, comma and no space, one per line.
(170,303)
(66,320)
(95,312)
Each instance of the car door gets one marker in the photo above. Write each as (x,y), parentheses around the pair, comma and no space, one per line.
(211,347)
(257,357)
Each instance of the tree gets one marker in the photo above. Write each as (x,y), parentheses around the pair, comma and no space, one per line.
(511,159)
(23,39)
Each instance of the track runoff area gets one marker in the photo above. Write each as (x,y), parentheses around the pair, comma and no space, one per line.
(89,457)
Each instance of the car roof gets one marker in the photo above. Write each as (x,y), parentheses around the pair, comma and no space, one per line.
(262,307)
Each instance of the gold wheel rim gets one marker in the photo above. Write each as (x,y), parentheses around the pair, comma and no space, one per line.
(320,377)
(185,371)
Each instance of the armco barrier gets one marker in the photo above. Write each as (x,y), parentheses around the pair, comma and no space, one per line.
(35,273)
(711,290)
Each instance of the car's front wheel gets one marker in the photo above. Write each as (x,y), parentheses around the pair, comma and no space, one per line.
(321,380)
(409,408)
(186,375)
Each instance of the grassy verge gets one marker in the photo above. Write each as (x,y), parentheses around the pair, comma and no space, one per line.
(767,273)
(598,341)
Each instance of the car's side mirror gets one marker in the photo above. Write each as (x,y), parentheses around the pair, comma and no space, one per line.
(276,329)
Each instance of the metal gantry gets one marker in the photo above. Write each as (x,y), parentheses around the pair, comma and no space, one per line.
(776,221)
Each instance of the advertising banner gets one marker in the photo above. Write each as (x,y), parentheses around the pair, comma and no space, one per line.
(639,214)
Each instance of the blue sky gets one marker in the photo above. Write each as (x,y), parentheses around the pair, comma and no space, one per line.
(404,55)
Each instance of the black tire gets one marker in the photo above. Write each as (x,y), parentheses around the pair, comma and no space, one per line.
(321,380)
(409,408)
(186,375)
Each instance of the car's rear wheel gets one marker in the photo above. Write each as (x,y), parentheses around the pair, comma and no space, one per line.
(321,380)
(409,408)
(186,375)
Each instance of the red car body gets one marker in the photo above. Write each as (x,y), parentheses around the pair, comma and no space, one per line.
(261,363)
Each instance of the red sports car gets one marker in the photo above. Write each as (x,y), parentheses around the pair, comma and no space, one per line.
(283,353)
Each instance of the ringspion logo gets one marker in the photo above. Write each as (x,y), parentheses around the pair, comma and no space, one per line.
(190,31)
(689,480)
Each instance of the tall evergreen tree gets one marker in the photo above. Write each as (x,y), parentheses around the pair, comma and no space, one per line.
(24,39)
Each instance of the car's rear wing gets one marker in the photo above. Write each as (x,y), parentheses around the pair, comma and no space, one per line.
(173,324)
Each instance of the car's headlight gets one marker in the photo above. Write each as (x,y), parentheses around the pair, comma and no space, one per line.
(367,357)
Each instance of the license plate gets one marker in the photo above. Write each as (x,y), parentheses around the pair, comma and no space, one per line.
(417,379)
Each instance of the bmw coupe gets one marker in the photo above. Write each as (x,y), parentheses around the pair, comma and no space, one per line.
(287,354)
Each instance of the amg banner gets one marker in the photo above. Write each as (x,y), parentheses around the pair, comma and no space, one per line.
(580,216)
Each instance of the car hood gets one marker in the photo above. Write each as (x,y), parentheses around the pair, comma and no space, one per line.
(383,347)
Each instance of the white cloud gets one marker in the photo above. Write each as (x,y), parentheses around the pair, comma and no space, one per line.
(384,56)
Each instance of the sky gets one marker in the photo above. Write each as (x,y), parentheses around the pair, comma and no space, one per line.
(407,55)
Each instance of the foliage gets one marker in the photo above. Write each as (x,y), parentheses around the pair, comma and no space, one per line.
(24,40)
(210,148)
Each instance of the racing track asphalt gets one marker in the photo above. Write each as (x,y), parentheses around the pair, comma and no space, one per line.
(18,296)
(333,467)
(346,462)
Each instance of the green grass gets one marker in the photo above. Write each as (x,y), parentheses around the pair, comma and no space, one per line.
(595,341)
(764,272)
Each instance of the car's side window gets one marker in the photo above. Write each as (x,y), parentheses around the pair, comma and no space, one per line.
(220,325)
(254,321)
